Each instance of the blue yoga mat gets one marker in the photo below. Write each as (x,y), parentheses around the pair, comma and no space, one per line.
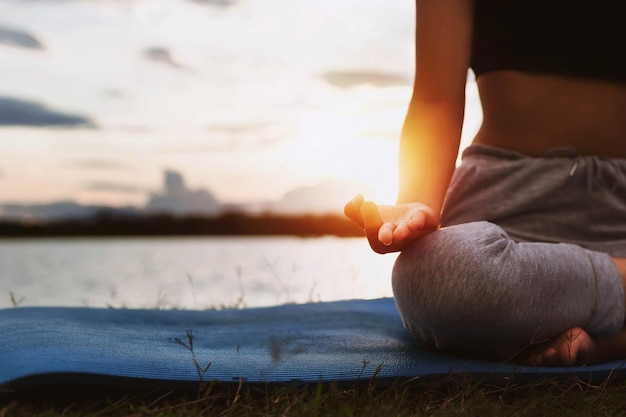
(156,349)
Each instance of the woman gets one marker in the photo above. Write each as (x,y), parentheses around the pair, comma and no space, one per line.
(529,252)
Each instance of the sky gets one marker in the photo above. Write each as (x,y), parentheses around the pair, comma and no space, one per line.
(288,101)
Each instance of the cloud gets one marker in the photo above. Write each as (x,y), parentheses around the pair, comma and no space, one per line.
(49,211)
(19,38)
(114,93)
(229,137)
(348,79)
(328,196)
(114,186)
(234,137)
(176,198)
(235,144)
(16,112)
(136,129)
(97,164)
(162,56)
(240,128)
(219,3)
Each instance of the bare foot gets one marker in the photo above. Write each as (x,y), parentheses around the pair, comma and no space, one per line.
(572,347)
(576,347)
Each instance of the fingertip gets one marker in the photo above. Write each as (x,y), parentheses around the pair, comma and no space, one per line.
(348,209)
(357,200)
(368,207)
(370,213)
(354,204)
(385,235)
(401,232)
(416,222)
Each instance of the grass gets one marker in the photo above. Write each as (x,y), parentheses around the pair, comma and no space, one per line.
(458,396)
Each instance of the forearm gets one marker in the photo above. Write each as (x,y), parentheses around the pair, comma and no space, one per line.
(432,129)
(428,151)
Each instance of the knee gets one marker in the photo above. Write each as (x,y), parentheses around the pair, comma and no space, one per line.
(442,281)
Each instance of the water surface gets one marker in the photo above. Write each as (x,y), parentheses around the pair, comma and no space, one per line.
(189,273)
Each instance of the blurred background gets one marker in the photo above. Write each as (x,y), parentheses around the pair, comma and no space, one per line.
(197,107)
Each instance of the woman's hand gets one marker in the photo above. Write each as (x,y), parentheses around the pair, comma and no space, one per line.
(391,228)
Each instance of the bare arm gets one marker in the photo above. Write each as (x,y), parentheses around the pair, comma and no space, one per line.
(432,129)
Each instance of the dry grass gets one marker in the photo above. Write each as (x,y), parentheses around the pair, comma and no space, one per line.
(458,396)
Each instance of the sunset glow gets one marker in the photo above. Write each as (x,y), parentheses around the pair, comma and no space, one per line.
(245,104)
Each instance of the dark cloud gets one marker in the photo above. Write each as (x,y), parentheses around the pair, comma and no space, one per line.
(176,198)
(19,38)
(218,3)
(115,187)
(16,112)
(49,211)
(347,79)
(162,56)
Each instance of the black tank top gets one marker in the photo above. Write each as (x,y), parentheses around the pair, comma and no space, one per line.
(575,38)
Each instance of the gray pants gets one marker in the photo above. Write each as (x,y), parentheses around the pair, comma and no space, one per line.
(523,254)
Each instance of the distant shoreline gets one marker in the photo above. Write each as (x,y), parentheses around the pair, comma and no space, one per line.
(228,224)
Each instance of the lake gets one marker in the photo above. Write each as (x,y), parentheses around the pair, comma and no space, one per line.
(189,273)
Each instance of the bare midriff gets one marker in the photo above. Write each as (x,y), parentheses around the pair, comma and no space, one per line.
(532,114)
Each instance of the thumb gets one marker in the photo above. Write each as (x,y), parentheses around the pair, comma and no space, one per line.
(352,210)
(372,221)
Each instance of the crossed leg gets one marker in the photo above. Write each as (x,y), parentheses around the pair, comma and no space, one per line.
(471,288)
(576,347)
